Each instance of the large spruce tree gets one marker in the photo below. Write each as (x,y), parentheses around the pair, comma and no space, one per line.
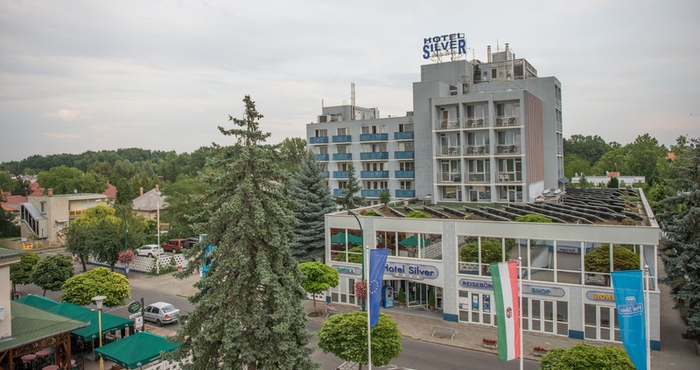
(314,200)
(248,313)
(349,199)
(681,222)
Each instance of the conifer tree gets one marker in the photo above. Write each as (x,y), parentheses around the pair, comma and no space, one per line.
(248,313)
(313,196)
(681,222)
(349,200)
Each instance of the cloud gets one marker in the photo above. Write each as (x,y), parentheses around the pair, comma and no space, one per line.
(66,114)
(62,136)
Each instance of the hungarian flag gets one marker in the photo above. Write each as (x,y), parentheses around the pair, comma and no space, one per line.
(505,287)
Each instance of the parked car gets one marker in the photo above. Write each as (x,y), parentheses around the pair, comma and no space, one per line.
(150,250)
(175,245)
(161,313)
(192,241)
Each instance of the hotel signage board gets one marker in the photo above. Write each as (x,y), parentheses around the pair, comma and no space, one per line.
(437,46)
(408,271)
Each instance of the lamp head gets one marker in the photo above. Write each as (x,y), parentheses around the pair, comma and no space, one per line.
(98,301)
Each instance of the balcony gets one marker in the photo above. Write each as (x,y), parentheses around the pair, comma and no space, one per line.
(338,192)
(374,174)
(405,174)
(374,137)
(478,177)
(476,150)
(374,155)
(509,177)
(324,174)
(405,193)
(341,138)
(508,149)
(449,151)
(340,174)
(318,140)
(449,177)
(403,135)
(506,121)
(443,124)
(342,156)
(406,154)
(372,193)
(322,157)
(476,122)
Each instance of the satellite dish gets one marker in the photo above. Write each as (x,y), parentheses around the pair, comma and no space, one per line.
(546,191)
(557,191)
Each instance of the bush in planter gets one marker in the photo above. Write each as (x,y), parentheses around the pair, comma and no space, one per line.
(431,299)
(402,297)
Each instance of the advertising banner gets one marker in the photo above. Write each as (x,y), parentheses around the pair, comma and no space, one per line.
(631,314)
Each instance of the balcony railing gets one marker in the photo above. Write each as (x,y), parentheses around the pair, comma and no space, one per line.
(406,154)
(341,138)
(506,121)
(405,193)
(475,150)
(443,124)
(374,155)
(374,174)
(325,174)
(340,174)
(403,135)
(478,177)
(507,149)
(449,177)
(509,176)
(322,157)
(338,192)
(450,151)
(318,140)
(372,192)
(342,156)
(404,174)
(476,122)
(374,137)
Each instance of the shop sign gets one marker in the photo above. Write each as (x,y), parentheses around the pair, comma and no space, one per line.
(476,284)
(412,272)
(348,270)
(543,290)
(452,44)
(600,296)
(134,307)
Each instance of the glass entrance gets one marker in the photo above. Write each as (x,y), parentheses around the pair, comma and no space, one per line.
(476,307)
(417,295)
(545,316)
(600,323)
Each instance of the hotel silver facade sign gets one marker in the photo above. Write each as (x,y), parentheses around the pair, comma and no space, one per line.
(438,46)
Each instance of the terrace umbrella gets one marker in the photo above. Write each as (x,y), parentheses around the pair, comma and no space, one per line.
(136,350)
(413,241)
(339,238)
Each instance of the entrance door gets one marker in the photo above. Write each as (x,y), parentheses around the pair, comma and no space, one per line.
(600,323)
(417,295)
(476,307)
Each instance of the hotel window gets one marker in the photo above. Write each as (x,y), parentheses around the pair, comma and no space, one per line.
(407,166)
(342,184)
(320,133)
(342,166)
(405,146)
(373,166)
(406,185)
(493,73)
(342,149)
(342,131)
(405,127)
(374,148)
(378,129)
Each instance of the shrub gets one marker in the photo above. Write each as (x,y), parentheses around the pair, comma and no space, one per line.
(417,214)
(533,218)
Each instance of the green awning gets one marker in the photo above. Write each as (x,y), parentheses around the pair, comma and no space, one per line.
(136,350)
(339,238)
(413,241)
(37,301)
(109,322)
(31,324)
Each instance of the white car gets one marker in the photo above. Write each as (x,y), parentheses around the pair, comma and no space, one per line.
(150,250)
(161,313)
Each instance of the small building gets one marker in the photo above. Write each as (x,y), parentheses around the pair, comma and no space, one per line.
(148,204)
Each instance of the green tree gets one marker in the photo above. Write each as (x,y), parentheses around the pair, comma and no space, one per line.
(247,312)
(65,180)
(385,197)
(184,198)
(614,183)
(52,271)
(643,156)
(491,251)
(6,182)
(80,288)
(313,197)
(21,272)
(584,356)
(348,199)
(345,336)
(319,277)
(7,225)
(614,160)
(681,222)
(590,148)
(574,164)
(22,187)
(293,152)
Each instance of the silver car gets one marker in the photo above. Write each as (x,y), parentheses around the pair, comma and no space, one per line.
(161,313)
(150,250)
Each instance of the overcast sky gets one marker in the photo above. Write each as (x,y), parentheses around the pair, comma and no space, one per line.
(162,75)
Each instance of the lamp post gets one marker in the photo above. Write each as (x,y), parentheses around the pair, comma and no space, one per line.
(362,235)
(98,301)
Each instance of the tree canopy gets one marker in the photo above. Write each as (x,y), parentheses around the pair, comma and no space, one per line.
(65,180)
(319,277)
(345,335)
(247,312)
(584,356)
(599,259)
(349,199)
(52,271)
(80,288)
(21,272)
(491,251)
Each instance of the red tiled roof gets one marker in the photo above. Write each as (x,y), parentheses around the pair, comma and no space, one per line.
(36,190)
(7,208)
(111,191)
(671,156)
(16,199)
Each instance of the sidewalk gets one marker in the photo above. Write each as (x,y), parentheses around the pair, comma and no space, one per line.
(677,353)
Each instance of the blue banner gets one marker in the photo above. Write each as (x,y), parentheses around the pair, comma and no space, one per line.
(377,260)
(631,314)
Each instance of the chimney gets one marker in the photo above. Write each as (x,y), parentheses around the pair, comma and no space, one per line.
(50,192)
(506,51)
(140,191)
(157,189)
(488,53)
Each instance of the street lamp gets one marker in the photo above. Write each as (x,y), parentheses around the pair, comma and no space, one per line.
(98,301)
(362,235)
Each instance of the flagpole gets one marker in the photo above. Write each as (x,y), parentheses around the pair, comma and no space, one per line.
(520,309)
(369,308)
(646,315)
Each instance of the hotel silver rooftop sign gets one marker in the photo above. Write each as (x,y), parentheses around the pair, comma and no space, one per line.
(453,45)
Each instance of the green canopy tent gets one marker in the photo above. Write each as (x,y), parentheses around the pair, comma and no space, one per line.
(413,241)
(136,350)
(339,238)
(38,301)
(109,322)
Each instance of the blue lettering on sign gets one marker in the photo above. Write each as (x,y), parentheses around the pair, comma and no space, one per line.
(414,272)
(478,284)
(444,45)
(346,270)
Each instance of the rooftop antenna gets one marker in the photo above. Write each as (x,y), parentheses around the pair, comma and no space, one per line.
(352,100)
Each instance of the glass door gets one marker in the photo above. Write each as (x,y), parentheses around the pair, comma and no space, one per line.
(417,295)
